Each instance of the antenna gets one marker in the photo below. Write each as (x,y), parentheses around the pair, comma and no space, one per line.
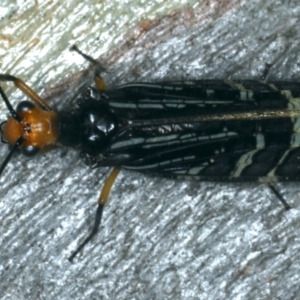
(11,152)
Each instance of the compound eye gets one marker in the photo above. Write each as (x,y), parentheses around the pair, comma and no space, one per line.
(24,106)
(3,140)
(30,151)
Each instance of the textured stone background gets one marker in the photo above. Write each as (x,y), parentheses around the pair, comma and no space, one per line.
(159,239)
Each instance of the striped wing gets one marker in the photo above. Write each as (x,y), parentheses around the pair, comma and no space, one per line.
(244,150)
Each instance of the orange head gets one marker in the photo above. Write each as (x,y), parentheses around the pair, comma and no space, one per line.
(37,127)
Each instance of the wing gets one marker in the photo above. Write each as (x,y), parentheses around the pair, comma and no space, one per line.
(244,150)
(189,98)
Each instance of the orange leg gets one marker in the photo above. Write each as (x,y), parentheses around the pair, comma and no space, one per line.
(108,186)
(27,90)
(101,202)
(99,81)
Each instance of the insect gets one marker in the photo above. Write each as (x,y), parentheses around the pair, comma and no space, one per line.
(208,130)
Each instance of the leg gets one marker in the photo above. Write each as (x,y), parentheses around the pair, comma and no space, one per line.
(266,71)
(101,202)
(27,90)
(279,196)
(100,84)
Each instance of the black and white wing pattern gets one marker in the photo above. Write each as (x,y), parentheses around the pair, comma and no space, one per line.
(232,150)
